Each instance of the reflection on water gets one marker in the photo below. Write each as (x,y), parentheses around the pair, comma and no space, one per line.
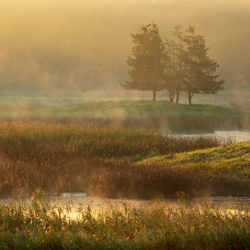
(84,201)
(225,136)
(73,204)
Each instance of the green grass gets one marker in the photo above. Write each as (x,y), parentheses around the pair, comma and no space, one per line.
(233,160)
(140,108)
(160,115)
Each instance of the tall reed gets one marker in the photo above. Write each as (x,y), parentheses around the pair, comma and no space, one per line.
(39,226)
(53,141)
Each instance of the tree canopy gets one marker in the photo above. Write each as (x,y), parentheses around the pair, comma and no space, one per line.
(199,71)
(149,61)
(182,65)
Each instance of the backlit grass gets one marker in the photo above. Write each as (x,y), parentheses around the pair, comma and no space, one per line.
(116,163)
(39,226)
(231,160)
(110,162)
(20,140)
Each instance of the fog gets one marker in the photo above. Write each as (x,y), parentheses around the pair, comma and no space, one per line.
(59,46)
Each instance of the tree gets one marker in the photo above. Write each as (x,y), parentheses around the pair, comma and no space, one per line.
(180,69)
(175,70)
(198,77)
(170,72)
(149,61)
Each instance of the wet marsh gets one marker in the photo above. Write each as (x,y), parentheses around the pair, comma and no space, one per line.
(44,157)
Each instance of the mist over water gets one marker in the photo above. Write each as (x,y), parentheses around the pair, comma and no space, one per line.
(76,46)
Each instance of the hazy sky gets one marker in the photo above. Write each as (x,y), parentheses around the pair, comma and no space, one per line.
(55,45)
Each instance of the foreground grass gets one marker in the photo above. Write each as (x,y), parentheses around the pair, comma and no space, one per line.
(39,226)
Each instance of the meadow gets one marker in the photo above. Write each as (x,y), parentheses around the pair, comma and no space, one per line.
(161,116)
(54,150)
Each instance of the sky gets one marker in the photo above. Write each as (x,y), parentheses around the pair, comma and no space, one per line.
(82,45)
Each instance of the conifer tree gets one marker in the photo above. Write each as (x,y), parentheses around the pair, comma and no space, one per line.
(148,62)
(198,77)
(170,72)
(180,67)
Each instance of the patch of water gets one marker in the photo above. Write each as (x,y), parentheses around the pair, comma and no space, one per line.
(74,205)
(83,201)
(224,136)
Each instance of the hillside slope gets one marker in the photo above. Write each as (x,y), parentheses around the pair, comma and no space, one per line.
(232,160)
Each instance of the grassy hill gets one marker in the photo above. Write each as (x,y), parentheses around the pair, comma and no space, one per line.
(160,115)
(229,160)
(139,108)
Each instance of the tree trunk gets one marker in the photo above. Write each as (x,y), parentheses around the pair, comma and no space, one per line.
(177,95)
(171,95)
(189,98)
(154,95)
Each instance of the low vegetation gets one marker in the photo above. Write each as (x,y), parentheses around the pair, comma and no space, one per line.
(114,162)
(117,162)
(228,159)
(39,226)
(165,116)
(141,108)
(56,141)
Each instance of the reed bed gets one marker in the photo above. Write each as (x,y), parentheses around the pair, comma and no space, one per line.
(53,141)
(100,161)
(88,158)
(40,226)
(117,179)
(180,124)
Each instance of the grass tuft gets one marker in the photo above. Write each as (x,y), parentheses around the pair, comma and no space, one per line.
(185,226)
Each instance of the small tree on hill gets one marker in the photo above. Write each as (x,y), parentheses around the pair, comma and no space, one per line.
(149,61)
(170,72)
(180,65)
(198,77)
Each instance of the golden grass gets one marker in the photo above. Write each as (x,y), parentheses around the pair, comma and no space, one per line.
(102,161)
(40,226)
(231,160)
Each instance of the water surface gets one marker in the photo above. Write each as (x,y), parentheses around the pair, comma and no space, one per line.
(224,136)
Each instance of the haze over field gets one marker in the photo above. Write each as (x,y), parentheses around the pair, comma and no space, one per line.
(61,45)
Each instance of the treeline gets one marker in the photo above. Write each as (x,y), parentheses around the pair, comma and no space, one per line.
(173,66)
